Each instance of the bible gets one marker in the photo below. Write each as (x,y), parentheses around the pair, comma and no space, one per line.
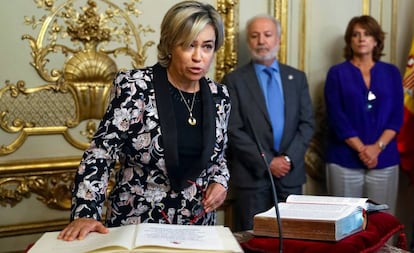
(324,218)
(145,237)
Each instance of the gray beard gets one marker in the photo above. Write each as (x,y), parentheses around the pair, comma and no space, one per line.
(269,56)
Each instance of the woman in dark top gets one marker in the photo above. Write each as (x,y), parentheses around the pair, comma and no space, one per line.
(167,127)
(364,102)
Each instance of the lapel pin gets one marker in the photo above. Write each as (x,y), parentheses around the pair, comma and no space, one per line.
(290,77)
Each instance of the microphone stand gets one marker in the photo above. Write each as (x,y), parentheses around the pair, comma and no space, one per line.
(275,199)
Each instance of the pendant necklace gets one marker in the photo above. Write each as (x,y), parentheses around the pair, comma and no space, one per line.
(191,120)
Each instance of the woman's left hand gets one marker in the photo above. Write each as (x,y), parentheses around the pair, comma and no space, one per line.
(214,197)
(369,155)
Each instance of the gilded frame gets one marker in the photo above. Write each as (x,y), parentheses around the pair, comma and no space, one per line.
(50,179)
(81,109)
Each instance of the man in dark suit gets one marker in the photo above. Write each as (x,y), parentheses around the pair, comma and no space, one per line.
(261,137)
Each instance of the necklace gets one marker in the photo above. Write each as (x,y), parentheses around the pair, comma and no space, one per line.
(191,120)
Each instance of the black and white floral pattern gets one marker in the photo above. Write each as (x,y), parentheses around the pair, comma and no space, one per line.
(130,133)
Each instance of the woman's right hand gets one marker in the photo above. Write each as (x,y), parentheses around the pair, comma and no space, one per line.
(80,228)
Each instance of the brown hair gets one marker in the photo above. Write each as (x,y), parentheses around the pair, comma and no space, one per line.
(373,28)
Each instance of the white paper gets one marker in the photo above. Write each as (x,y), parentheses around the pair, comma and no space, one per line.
(146,237)
(50,243)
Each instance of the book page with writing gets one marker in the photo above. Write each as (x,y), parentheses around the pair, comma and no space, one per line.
(327,200)
(119,237)
(207,238)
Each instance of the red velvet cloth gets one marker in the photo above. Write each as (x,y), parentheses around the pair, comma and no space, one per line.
(381,226)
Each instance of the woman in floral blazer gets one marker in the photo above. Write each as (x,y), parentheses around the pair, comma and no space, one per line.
(167,126)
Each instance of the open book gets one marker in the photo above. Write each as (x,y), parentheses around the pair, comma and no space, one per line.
(367,204)
(145,237)
(310,217)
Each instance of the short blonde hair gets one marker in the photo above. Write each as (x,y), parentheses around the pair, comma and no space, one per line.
(181,25)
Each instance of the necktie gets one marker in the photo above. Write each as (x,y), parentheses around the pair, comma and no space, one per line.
(275,106)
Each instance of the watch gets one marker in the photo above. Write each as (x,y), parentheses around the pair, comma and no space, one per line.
(287,158)
(381,145)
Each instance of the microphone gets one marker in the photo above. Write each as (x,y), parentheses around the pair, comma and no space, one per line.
(275,199)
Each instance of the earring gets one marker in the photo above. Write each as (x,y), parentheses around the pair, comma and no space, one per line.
(169,56)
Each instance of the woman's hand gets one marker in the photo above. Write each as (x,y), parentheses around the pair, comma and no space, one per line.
(214,197)
(80,228)
(369,155)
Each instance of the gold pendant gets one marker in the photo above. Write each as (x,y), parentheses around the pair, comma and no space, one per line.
(192,121)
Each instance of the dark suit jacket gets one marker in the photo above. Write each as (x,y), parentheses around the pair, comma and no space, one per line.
(249,116)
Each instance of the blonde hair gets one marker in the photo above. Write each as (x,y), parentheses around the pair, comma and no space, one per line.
(181,25)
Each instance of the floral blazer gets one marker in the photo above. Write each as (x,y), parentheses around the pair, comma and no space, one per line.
(139,130)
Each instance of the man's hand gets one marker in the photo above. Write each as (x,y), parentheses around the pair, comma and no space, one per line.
(280,166)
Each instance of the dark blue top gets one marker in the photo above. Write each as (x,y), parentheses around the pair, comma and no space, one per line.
(353,110)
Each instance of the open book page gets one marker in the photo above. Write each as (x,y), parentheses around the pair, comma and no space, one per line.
(145,237)
(230,242)
(207,238)
(326,200)
(310,211)
(362,202)
(119,237)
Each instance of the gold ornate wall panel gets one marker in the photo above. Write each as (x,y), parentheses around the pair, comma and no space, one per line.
(314,157)
(78,90)
(226,58)
(52,185)
(91,36)
(280,11)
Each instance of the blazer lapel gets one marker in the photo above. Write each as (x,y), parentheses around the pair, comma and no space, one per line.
(254,88)
(169,129)
(286,78)
(289,96)
(209,123)
(167,121)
